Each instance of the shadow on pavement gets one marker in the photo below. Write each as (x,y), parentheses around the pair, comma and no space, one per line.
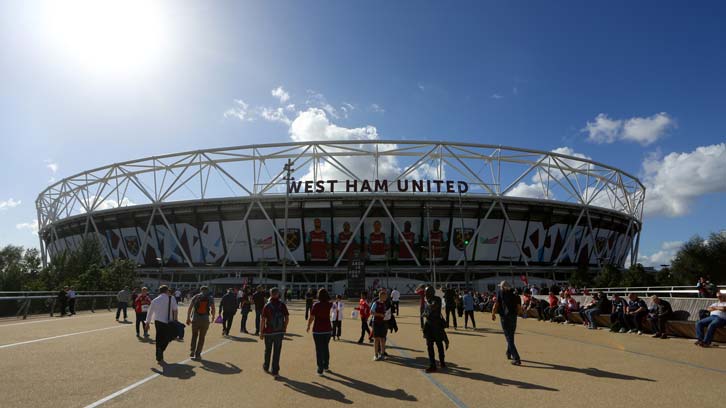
(461,333)
(220,368)
(368,388)
(243,339)
(455,370)
(594,372)
(180,371)
(315,390)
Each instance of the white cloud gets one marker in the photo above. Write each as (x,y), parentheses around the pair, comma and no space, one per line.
(421,87)
(675,181)
(641,130)
(377,108)
(534,190)
(31,226)
(290,107)
(318,100)
(239,111)
(497,96)
(275,115)
(52,166)
(314,125)
(9,203)
(281,94)
(664,256)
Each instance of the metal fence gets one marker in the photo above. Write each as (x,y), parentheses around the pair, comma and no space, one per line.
(671,291)
(24,303)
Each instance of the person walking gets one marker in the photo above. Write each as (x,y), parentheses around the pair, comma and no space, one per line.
(309,298)
(336,316)
(162,311)
(274,321)
(468,303)
(245,305)
(62,300)
(396,299)
(71,301)
(201,306)
(322,328)
(124,298)
(508,306)
(364,311)
(141,308)
(381,315)
(434,332)
(259,300)
(228,308)
(450,298)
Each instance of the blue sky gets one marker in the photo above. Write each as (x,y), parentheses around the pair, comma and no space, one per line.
(638,86)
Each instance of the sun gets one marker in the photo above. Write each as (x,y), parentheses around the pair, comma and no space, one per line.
(107,37)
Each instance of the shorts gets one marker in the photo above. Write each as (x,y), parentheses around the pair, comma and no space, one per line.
(380,329)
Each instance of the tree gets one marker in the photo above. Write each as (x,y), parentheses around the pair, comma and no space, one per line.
(580,277)
(699,257)
(637,276)
(609,277)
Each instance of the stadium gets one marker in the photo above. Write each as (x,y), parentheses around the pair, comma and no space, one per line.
(406,210)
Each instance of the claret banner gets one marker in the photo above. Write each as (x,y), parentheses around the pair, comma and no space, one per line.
(378,186)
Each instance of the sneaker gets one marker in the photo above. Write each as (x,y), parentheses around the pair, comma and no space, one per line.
(697,342)
(509,356)
(191,354)
(516,363)
(633,331)
(327,370)
(443,365)
(622,331)
(198,357)
(382,357)
(360,341)
(375,358)
(640,333)
(431,369)
(656,335)
(265,369)
(663,336)
(320,372)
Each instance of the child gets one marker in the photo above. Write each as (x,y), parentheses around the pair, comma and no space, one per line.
(336,317)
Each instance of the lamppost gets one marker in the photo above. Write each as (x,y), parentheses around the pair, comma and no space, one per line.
(465,242)
(511,267)
(432,264)
(288,170)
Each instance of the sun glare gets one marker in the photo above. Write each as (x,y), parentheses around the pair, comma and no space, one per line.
(107,37)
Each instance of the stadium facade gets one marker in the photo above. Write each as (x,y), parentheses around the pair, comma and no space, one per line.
(401,207)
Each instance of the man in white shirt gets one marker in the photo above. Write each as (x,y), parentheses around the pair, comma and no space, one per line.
(336,317)
(716,320)
(395,297)
(162,311)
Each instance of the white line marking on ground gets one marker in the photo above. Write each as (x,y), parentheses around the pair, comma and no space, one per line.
(60,336)
(147,379)
(447,392)
(54,320)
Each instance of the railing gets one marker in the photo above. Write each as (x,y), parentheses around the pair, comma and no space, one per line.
(672,291)
(32,302)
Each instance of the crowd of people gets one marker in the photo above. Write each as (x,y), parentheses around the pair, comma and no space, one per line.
(378,309)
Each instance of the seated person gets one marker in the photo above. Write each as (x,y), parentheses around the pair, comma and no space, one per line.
(602,306)
(572,306)
(660,316)
(715,320)
(637,310)
(588,307)
(526,303)
(551,307)
(561,311)
(617,316)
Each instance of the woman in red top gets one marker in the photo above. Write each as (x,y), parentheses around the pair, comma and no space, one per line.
(320,320)
(364,310)
(141,307)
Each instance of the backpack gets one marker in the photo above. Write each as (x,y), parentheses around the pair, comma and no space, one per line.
(201,305)
(276,323)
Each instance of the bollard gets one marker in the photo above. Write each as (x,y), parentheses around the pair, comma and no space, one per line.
(93,305)
(27,309)
(109,304)
(52,306)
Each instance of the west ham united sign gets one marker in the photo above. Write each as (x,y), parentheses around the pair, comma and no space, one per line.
(378,186)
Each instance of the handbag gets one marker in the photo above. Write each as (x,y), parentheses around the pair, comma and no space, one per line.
(354,314)
(218,319)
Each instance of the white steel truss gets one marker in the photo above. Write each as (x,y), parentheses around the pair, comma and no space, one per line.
(256,172)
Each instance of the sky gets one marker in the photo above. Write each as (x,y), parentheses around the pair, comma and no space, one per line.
(636,85)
